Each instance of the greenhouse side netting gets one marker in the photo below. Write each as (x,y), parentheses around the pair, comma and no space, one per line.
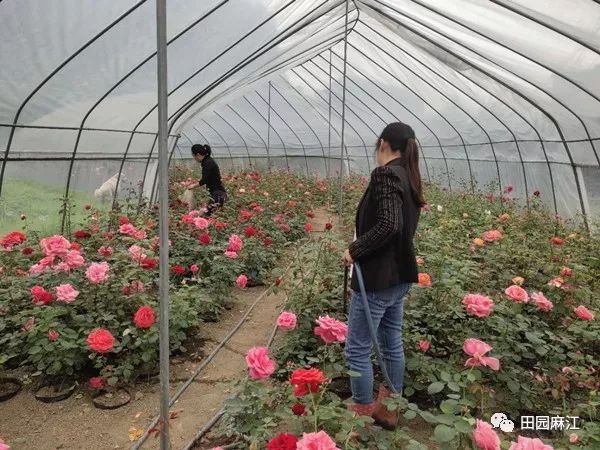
(499,93)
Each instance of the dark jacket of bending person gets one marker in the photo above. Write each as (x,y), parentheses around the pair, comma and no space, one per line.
(211,177)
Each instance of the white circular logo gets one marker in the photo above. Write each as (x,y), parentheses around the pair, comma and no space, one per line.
(497,419)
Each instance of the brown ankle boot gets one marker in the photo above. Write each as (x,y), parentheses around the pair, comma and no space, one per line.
(362,409)
(381,415)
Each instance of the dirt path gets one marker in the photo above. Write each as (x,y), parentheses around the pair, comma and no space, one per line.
(75,424)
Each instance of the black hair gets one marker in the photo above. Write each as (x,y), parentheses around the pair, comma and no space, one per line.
(199,149)
(401,138)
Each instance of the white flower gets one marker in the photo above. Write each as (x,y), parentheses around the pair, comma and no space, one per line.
(488,212)
(440,208)
(242,190)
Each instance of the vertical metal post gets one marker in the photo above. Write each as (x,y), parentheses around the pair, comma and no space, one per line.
(269,130)
(163,198)
(328,162)
(585,204)
(343,115)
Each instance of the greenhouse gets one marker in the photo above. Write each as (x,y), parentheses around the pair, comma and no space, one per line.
(153,312)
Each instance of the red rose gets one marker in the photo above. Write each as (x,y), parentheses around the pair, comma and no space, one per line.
(220,225)
(40,296)
(81,234)
(292,204)
(250,231)
(278,281)
(299,409)
(149,263)
(557,240)
(328,226)
(123,220)
(27,251)
(75,246)
(204,239)
(96,382)
(267,241)
(101,340)
(310,214)
(308,227)
(283,441)
(144,317)
(536,194)
(11,239)
(178,270)
(88,206)
(306,381)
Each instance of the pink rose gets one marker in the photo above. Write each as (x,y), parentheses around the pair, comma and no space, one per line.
(583,313)
(477,350)
(424,345)
(201,223)
(286,321)
(492,235)
(61,267)
(194,268)
(542,302)
(241,281)
(47,261)
(73,259)
(331,330)
(556,282)
(139,235)
(97,273)
(478,305)
(259,363)
(316,441)
(3,446)
(37,269)
(127,229)
(573,438)
(96,382)
(52,335)
(235,244)
(231,255)
(525,443)
(485,437)
(137,253)
(55,246)
(517,294)
(105,251)
(66,293)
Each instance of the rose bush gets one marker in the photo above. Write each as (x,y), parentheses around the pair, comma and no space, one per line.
(505,321)
(61,297)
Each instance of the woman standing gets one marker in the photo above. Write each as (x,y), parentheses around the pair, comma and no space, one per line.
(386,221)
(211,177)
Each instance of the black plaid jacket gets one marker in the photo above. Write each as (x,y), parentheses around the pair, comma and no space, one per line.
(386,221)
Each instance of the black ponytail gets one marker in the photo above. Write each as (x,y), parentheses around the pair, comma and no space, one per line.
(199,149)
(401,138)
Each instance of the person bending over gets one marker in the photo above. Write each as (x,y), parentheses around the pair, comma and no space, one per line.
(211,177)
(386,221)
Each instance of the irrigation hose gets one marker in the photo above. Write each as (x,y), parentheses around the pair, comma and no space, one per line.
(372,329)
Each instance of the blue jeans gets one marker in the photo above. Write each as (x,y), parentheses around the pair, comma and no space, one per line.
(386,312)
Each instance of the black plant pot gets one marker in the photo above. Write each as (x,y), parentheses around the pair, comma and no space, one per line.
(9,387)
(111,400)
(52,393)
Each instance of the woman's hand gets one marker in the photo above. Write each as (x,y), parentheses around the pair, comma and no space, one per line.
(347,258)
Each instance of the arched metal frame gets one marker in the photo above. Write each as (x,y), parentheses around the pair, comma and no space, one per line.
(238,133)
(504,84)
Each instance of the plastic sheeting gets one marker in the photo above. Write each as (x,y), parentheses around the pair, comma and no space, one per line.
(502,92)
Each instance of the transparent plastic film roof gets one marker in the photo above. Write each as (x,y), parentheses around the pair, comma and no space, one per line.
(503,92)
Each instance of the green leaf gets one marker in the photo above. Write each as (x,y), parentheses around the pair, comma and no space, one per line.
(428,417)
(513,386)
(445,376)
(409,415)
(463,426)
(448,406)
(435,387)
(454,386)
(444,433)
